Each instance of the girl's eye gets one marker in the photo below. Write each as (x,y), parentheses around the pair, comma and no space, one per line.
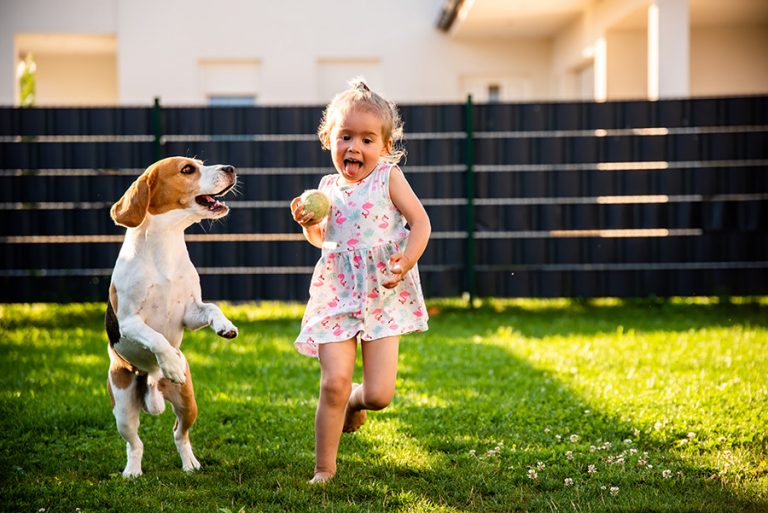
(187,170)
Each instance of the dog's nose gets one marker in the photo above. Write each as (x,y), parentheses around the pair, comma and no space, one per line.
(228,169)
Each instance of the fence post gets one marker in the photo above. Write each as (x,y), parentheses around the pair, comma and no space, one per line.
(469,158)
(157,129)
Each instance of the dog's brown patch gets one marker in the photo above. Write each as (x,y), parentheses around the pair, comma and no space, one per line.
(182,397)
(160,188)
(172,189)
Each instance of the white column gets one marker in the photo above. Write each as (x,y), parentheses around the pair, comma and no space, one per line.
(668,49)
(600,92)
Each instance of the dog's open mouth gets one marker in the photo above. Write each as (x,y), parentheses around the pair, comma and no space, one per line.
(210,202)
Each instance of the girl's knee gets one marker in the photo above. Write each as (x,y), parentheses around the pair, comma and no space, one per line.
(377,399)
(335,390)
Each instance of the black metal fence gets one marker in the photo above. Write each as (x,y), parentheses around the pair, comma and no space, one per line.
(548,199)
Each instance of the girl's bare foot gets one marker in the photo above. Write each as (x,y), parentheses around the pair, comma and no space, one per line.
(353,419)
(321,477)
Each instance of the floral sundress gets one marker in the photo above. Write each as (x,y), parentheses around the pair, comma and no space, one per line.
(346,298)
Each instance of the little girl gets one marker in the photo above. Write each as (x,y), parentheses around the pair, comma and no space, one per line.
(366,283)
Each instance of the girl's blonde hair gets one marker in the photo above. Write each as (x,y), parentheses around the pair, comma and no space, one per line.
(360,96)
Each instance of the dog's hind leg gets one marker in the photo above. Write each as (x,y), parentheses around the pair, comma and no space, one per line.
(126,406)
(182,398)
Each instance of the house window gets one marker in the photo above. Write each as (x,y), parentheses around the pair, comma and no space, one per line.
(494,93)
(230,82)
(232,101)
(496,89)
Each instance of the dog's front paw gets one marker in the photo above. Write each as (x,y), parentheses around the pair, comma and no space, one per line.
(226,329)
(173,366)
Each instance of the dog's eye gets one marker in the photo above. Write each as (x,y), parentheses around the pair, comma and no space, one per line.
(188,169)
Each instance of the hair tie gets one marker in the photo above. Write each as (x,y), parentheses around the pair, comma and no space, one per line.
(361,85)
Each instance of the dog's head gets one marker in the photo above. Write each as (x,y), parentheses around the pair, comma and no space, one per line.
(176,184)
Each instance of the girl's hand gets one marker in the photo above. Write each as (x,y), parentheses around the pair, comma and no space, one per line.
(399,265)
(299,214)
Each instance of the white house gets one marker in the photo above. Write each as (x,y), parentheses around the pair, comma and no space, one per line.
(193,52)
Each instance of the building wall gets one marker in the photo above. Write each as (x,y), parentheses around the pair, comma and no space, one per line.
(167,49)
(627,69)
(176,50)
(302,58)
(76,80)
(729,61)
(573,47)
(47,17)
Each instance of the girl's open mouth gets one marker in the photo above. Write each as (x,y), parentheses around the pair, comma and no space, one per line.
(352,166)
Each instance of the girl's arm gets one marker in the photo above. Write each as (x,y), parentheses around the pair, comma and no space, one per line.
(409,205)
(315,234)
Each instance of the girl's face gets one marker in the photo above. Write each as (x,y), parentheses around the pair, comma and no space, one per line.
(357,144)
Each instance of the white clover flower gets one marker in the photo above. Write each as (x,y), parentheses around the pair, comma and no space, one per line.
(547,430)
(667,474)
(614,491)
(633,451)
(568,481)
(628,442)
(691,435)
(592,448)
(592,469)
(574,438)
(540,465)
(532,474)
(569,455)
(558,437)
(495,451)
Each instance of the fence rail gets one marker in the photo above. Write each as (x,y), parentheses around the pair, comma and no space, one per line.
(547,199)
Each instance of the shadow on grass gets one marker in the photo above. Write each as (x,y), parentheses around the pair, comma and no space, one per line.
(589,317)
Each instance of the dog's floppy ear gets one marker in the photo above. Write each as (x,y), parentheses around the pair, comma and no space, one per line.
(130,210)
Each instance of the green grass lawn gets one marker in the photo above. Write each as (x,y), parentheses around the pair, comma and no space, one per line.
(514,406)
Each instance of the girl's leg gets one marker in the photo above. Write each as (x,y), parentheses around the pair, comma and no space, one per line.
(379,376)
(337,362)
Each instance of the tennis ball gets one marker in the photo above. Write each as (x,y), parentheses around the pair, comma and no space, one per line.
(317,202)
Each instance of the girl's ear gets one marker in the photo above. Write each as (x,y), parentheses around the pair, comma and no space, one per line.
(325,139)
(387,148)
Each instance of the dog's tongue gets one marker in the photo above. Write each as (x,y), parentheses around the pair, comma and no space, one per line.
(208,201)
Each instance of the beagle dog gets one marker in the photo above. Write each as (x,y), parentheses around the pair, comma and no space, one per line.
(155,294)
